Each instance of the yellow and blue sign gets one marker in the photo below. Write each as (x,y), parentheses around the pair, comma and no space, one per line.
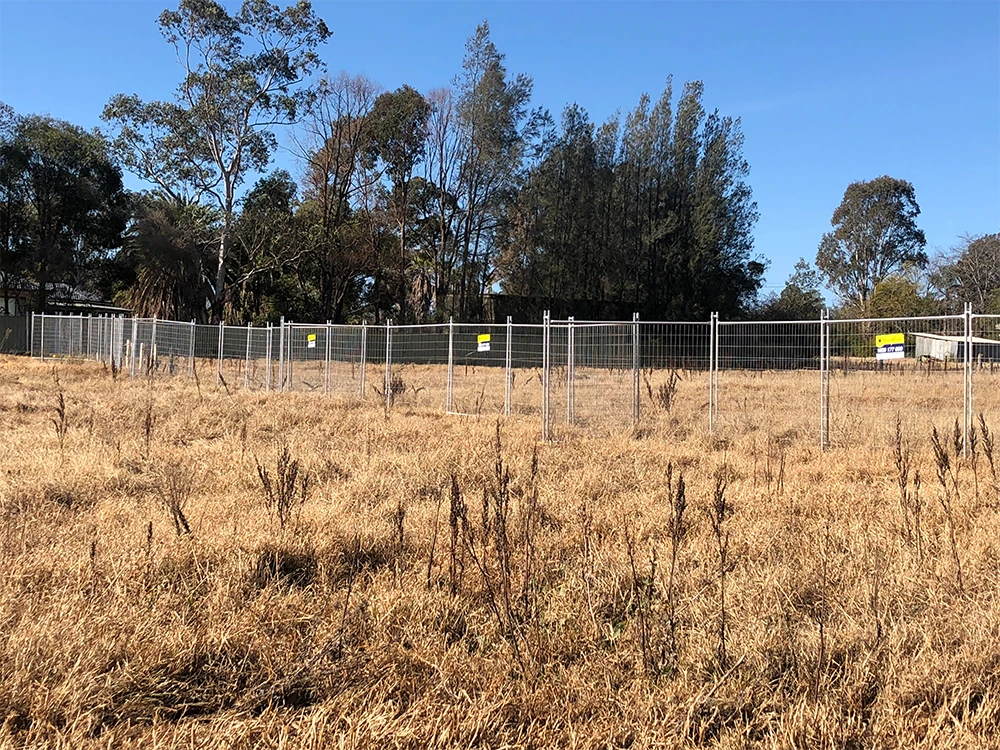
(889,346)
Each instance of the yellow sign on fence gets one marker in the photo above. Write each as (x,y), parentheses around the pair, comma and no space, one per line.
(890,346)
(311,341)
(483,341)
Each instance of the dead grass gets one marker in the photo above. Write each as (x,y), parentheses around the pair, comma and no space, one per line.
(437,590)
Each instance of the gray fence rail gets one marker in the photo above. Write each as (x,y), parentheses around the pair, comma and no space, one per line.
(842,382)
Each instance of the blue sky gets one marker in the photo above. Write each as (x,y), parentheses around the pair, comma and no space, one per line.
(828,93)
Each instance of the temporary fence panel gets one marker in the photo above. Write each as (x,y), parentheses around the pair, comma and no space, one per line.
(883,369)
(305,357)
(674,362)
(843,381)
(985,361)
(172,348)
(15,334)
(417,375)
(767,377)
(593,385)
(523,387)
(479,368)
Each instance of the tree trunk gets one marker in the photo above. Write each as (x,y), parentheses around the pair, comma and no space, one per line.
(218,303)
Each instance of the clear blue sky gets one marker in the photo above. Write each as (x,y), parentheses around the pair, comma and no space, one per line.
(828,93)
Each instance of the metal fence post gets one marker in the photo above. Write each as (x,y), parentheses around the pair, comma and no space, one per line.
(281,354)
(326,368)
(635,370)
(152,347)
(712,334)
(132,348)
(222,335)
(194,331)
(41,335)
(364,355)
(570,376)
(246,366)
(507,371)
(968,410)
(388,363)
(824,380)
(449,399)
(546,330)
(268,350)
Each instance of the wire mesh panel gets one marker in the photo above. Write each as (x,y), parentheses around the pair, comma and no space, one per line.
(14,334)
(418,374)
(910,368)
(986,367)
(258,374)
(305,357)
(172,348)
(479,371)
(593,375)
(768,377)
(344,354)
(60,336)
(526,361)
(674,359)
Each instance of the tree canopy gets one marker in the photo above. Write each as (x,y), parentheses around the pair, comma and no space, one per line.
(63,207)
(874,235)
(467,200)
(244,75)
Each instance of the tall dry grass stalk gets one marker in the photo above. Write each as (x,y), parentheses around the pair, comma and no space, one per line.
(451,582)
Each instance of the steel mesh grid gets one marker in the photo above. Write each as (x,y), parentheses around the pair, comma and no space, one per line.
(767,377)
(418,374)
(674,359)
(479,377)
(868,394)
(594,385)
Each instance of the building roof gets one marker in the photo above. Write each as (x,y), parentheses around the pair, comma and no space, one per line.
(955,339)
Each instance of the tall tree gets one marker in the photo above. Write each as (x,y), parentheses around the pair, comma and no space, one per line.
(874,235)
(441,175)
(64,205)
(244,74)
(970,272)
(800,299)
(333,141)
(398,127)
(493,127)
(654,217)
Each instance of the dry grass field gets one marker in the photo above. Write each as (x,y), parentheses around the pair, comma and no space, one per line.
(184,567)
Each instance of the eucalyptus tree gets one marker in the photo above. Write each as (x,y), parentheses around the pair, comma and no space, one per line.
(874,235)
(398,127)
(244,74)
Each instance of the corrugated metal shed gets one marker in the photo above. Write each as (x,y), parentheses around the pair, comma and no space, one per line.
(941,348)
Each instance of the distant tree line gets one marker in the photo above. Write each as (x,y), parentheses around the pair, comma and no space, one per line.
(417,206)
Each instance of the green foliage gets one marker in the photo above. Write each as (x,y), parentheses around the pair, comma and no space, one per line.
(874,235)
(970,272)
(160,269)
(801,298)
(902,296)
(655,216)
(243,76)
(63,207)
